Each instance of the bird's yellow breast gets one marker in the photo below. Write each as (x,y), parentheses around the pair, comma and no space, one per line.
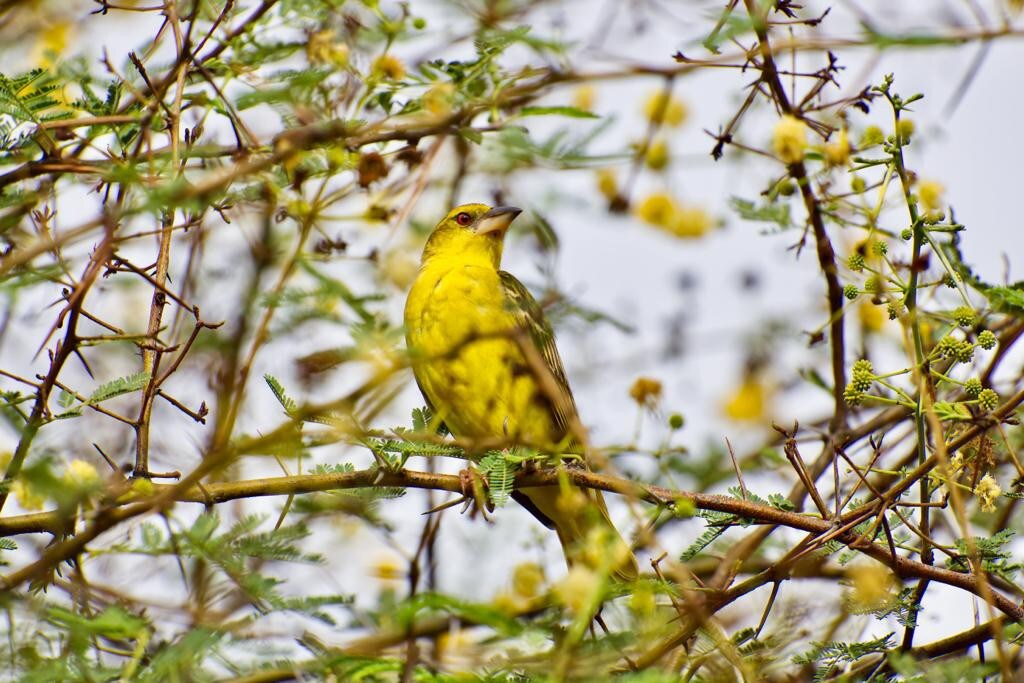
(466,359)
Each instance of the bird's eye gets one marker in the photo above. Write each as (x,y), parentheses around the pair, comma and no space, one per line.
(463,218)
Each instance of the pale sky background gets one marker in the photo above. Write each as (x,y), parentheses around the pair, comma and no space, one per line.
(618,265)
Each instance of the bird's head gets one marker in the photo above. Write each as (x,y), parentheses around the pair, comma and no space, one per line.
(471,232)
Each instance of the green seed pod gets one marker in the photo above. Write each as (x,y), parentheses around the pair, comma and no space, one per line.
(988,400)
(964,316)
(964,352)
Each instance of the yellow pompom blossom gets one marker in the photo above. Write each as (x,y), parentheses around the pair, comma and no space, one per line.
(82,476)
(905,129)
(579,590)
(527,579)
(657,209)
(584,97)
(571,501)
(872,317)
(873,135)
(509,603)
(604,550)
(837,152)
(789,139)
(929,193)
(873,586)
(27,498)
(661,210)
(643,602)
(988,492)
(322,48)
(52,42)
(399,268)
(607,183)
(672,110)
(388,569)
(388,67)
(748,401)
(439,99)
(646,391)
(657,156)
(691,221)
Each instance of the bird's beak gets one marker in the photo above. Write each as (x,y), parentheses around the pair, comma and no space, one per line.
(497,220)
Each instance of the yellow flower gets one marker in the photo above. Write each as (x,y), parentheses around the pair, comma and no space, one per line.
(871,316)
(26,497)
(691,221)
(527,579)
(323,49)
(930,192)
(905,129)
(956,463)
(872,136)
(988,491)
(510,603)
(607,183)
(388,67)
(454,642)
(674,114)
(646,391)
(657,157)
(789,139)
(748,401)
(387,568)
(579,590)
(439,99)
(583,97)
(82,474)
(52,43)
(399,268)
(657,209)
(837,152)
(604,549)
(643,602)
(873,586)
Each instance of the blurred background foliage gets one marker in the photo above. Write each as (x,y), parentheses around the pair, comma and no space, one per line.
(215,462)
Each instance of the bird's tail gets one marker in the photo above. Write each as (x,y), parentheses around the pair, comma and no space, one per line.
(586,532)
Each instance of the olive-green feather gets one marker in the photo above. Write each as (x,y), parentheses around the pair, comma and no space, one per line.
(530,318)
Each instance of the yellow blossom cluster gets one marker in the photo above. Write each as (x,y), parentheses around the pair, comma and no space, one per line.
(646,391)
(662,211)
(662,107)
(748,401)
(789,139)
(988,492)
(388,67)
(323,48)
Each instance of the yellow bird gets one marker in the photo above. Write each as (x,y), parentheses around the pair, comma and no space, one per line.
(485,358)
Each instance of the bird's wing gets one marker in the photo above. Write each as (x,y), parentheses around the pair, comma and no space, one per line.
(530,317)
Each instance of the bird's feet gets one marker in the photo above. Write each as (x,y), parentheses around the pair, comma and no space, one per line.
(474,492)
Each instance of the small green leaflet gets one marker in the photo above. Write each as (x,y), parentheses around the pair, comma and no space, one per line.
(571,112)
(280,394)
(117,387)
(500,473)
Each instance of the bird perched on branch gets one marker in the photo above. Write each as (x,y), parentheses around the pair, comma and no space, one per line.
(484,356)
